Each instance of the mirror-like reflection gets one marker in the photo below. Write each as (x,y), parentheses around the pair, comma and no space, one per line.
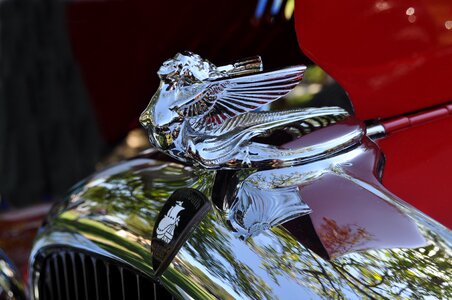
(117,207)
(349,209)
(355,220)
(276,265)
(113,214)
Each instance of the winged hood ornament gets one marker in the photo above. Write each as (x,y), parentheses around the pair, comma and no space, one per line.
(210,117)
(206,115)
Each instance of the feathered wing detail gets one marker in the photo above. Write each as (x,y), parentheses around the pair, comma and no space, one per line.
(308,119)
(227,98)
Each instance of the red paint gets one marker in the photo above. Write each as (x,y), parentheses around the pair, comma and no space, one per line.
(349,218)
(392,56)
(396,124)
(399,123)
(418,167)
(418,150)
(449,108)
(428,116)
(388,65)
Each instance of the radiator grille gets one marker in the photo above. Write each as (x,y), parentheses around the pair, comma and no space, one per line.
(79,276)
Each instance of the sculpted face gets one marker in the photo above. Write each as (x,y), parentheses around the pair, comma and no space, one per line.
(159,120)
(178,73)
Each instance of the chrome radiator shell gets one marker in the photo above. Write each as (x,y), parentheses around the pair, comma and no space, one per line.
(112,214)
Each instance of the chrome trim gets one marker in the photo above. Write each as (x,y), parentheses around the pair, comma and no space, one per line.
(387,250)
(375,131)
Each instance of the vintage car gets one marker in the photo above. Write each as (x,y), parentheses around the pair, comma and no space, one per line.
(231,202)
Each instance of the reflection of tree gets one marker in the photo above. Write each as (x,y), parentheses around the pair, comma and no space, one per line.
(273,179)
(386,273)
(212,247)
(130,195)
(390,273)
(118,211)
(134,198)
(284,257)
(339,240)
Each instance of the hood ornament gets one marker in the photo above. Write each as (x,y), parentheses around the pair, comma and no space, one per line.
(206,115)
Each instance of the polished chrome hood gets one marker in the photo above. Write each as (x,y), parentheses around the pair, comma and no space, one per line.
(348,247)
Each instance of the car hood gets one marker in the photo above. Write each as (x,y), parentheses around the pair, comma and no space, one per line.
(114,212)
(392,57)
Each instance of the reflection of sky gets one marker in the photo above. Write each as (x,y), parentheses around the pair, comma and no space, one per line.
(185,256)
(283,286)
(262,255)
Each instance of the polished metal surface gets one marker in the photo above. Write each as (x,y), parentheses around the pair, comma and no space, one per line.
(359,241)
(205,115)
(375,131)
(261,199)
(12,286)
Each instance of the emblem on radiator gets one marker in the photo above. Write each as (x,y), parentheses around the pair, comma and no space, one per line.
(178,217)
(165,229)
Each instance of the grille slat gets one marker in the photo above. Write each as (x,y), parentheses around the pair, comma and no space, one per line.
(96,285)
(101,281)
(155,292)
(84,276)
(109,287)
(76,275)
(62,262)
(123,284)
(48,291)
(137,278)
(56,274)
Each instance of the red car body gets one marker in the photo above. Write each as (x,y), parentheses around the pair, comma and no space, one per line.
(394,58)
